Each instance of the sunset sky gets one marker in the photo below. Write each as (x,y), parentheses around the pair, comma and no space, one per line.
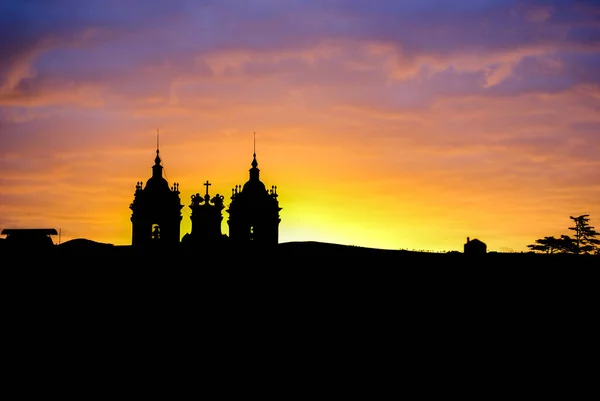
(388,124)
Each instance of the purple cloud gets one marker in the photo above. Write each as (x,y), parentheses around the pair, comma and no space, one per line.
(115,42)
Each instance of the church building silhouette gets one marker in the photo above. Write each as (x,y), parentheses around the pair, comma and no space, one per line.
(156,212)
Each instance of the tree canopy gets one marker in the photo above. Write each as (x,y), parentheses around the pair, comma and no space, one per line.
(584,239)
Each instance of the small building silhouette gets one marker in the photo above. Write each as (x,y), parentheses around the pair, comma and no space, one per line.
(156,210)
(31,238)
(475,247)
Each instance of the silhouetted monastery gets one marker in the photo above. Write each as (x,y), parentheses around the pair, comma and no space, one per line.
(156,212)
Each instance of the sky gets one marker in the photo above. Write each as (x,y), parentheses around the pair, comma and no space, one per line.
(387,124)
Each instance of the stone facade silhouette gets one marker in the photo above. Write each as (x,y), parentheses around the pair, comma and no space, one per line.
(206,218)
(156,210)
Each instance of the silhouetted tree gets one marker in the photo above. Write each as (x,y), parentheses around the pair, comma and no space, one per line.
(546,245)
(552,245)
(566,244)
(585,235)
(583,242)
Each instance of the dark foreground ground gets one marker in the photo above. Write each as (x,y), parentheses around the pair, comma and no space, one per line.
(312,292)
(320,312)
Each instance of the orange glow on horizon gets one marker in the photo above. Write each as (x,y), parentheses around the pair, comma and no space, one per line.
(401,136)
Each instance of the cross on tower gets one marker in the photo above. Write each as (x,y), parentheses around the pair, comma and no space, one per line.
(206,184)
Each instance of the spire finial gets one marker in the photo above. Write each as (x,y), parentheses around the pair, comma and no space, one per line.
(157,159)
(254,162)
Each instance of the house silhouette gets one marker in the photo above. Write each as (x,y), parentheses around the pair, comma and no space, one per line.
(38,238)
(474,247)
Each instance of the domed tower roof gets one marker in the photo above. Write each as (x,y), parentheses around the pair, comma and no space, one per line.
(157,182)
(254,185)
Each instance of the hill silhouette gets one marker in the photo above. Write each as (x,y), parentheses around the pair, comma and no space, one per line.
(308,254)
(297,278)
(80,243)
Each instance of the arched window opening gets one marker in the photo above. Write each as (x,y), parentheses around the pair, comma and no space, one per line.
(155,232)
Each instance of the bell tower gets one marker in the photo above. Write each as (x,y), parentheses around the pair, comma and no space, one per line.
(254,210)
(156,209)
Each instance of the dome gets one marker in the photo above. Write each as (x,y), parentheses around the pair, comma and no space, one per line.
(157,184)
(254,187)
